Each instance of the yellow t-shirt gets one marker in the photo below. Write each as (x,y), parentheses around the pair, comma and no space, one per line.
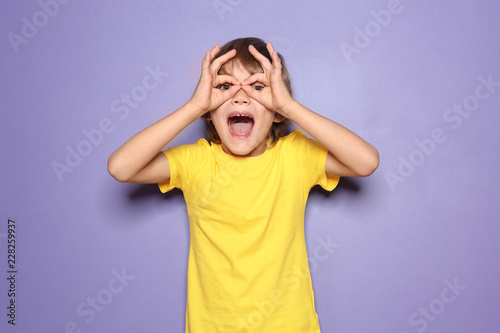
(248,268)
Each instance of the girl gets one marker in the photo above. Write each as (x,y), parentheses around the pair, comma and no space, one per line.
(247,189)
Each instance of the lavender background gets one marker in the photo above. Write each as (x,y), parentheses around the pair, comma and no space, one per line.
(427,219)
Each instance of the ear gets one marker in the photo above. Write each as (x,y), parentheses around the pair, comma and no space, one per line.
(278,118)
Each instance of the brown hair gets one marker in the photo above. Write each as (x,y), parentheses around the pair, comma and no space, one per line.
(247,61)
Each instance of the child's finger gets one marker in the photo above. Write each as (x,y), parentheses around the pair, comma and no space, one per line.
(217,63)
(251,92)
(276,61)
(274,56)
(257,77)
(255,94)
(264,62)
(209,55)
(224,78)
(228,94)
(270,48)
(205,63)
(231,91)
(214,51)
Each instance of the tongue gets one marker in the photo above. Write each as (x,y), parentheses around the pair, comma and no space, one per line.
(241,127)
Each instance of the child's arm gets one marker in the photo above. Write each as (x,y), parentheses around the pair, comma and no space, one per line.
(349,154)
(139,160)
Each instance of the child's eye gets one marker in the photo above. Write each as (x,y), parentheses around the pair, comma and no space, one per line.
(224,86)
(258,86)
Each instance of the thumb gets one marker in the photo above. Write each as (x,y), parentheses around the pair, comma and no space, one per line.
(230,92)
(251,92)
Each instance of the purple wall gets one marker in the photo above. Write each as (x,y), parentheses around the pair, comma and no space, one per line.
(412,248)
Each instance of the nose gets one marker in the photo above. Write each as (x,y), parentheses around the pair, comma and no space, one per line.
(240,97)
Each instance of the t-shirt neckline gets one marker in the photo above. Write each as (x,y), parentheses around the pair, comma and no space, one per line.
(262,158)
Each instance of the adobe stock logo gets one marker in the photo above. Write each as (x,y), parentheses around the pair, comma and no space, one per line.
(30,28)
(121,107)
(222,6)
(97,302)
(364,36)
(454,117)
(291,280)
(428,314)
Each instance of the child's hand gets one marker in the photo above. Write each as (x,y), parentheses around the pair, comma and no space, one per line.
(275,95)
(209,94)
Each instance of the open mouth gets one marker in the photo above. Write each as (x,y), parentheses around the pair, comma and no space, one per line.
(240,124)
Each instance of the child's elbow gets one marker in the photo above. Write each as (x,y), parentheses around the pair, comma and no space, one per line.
(370,164)
(116,171)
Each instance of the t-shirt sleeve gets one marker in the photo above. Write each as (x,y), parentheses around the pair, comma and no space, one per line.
(311,157)
(183,161)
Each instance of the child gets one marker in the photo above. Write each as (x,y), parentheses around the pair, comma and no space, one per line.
(246,191)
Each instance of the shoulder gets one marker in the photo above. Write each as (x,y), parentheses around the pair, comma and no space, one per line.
(296,139)
(291,146)
(200,147)
(200,144)
(293,137)
(298,144)
(295,134)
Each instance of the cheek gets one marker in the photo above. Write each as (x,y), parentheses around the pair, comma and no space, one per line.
(269,116)
(216,115)
(220,125)
(267,122)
